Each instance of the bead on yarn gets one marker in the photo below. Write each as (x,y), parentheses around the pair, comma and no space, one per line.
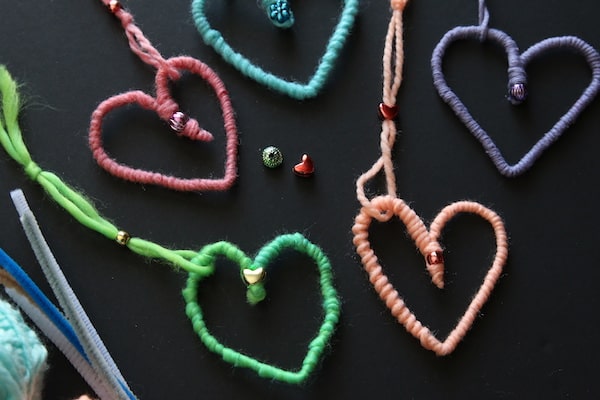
(384,207)
(516,86)
(163,104)
(291,88)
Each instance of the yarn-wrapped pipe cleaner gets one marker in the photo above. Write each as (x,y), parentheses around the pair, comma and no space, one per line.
(167,70)
(517,85)
(383,208)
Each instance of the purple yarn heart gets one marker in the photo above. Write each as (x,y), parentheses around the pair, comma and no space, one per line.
(517,81)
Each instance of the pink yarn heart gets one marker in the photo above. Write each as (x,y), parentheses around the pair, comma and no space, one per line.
(166,108)
(383,208)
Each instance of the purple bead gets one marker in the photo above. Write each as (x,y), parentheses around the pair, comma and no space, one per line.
(178,120)
(518,93)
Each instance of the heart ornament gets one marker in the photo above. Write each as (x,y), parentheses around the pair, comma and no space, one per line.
(517,87)
(253,273)
(296,90)
(168,110)
(383,208)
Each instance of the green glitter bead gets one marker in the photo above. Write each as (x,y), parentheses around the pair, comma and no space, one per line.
(272,157)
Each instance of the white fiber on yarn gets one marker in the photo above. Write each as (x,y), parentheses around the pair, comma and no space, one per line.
(22,357)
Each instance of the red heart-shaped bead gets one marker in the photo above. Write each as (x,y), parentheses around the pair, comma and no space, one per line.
(388,112)
(304,168)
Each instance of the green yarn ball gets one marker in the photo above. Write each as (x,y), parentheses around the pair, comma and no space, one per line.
(256,293)
(22,357)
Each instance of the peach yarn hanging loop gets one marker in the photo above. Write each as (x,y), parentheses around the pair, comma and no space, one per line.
(385,207)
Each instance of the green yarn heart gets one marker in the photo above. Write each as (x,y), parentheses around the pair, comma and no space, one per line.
(255,293)
(296,90)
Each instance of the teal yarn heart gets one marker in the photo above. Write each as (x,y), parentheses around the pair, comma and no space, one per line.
(256,292)
(293,89)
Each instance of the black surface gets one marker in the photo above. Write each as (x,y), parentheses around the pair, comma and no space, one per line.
(537,336)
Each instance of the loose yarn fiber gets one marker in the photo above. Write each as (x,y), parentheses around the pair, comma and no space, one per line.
(22,357)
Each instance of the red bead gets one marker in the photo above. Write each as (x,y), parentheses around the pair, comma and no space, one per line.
(305,168)
(388,112)
(114,6)
(435,257)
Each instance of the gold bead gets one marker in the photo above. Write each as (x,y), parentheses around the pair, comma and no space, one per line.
(123,238)
(252,276)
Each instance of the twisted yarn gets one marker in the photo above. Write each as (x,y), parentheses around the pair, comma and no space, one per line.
(383,208)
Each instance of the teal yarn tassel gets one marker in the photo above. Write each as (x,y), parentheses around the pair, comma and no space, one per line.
(293,89)
(22,357)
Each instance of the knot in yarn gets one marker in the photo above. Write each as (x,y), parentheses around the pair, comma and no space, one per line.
(33,170)
(22,357)
(256,293)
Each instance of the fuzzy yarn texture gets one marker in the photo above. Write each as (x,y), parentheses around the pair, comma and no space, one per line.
(256,293)
(193,262)
(168,70)
(385,207)
(517,85)
(293,89)
(22,357)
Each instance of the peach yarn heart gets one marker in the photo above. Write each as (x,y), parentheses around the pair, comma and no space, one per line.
(168,70)
(384,208)
(427,243)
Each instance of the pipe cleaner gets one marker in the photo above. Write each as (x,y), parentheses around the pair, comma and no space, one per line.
(199,265)
(73,334)
(167,70)
(384,207)
(275,9)
(517,85)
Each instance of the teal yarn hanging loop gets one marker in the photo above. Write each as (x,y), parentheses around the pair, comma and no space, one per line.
(293,89)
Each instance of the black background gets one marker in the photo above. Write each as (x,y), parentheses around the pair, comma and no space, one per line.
(537,336)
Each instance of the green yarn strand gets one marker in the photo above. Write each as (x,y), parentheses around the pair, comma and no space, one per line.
(72,201)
